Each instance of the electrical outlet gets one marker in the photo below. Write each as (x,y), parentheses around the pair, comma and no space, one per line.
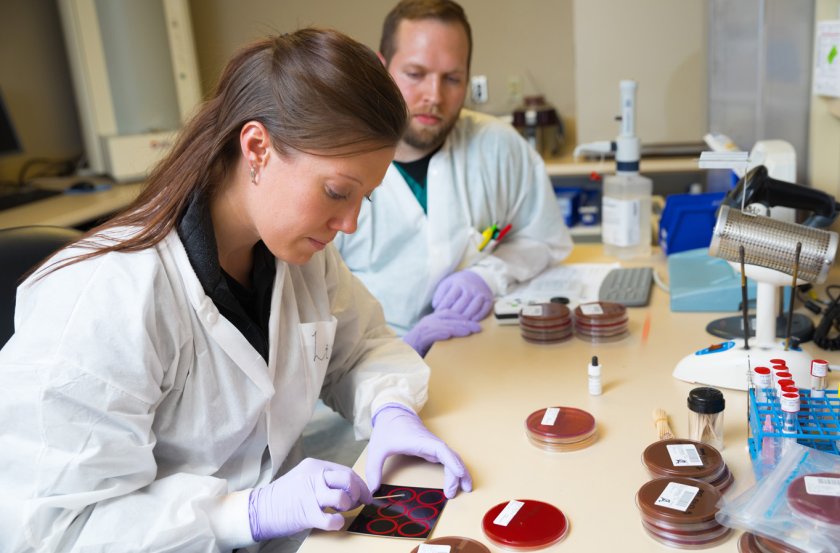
(478,85)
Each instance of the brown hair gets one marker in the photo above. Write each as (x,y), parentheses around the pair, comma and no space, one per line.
(442,10)
(315,90)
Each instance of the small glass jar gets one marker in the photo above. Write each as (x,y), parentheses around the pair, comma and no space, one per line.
(705,416)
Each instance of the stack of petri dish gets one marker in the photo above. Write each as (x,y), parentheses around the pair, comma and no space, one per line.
(545,323)
(755,543)
(680,512)
(601,321)
(687,459)
(560,429)
(524,525)
(457,544)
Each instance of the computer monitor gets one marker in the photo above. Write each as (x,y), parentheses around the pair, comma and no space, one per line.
(9,143)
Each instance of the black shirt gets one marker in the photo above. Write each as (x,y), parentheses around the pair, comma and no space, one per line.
(248,308)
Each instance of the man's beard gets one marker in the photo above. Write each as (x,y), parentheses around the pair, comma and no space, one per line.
(426,139)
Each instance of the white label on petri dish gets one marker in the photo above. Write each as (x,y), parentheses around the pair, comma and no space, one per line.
(684,455)
(591,309)
(507,514)
(532,311)
(676,496)
(820,485)
(550,416)
(431,548)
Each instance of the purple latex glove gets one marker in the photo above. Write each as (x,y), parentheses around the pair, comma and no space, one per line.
(437,326)
(296,501)
(465,293)
(398,431)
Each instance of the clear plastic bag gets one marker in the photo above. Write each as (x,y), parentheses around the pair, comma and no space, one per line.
(774,506)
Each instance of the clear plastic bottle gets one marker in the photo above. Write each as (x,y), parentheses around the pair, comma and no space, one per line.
(625,215)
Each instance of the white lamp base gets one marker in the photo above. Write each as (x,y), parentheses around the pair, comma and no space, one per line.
(726,365)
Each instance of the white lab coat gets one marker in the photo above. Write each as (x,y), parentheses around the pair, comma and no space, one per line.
(136,418)
(484,173)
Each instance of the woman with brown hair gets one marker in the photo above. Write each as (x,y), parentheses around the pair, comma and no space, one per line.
(164,366)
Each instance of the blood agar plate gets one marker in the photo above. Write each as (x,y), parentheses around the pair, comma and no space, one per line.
(689,459)
(561,428)
(680,512)
(457,544)
(534,525)
(755,543)
(601,321)
(545,323)
(816,497)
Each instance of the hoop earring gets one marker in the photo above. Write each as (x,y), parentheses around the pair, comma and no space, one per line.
(253,176)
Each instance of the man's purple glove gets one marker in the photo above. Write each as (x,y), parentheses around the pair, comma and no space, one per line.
(437,326)
(296,501)
(398,431)
(465,293)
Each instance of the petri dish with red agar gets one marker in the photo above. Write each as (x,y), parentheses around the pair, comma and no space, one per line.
(755,543)
(525,525)
(601,321)
(545,323)
(457,544)
(561,428)
(688,459)
(813,497)
(680,512)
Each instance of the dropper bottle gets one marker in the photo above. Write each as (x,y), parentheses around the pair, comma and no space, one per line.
(594,373)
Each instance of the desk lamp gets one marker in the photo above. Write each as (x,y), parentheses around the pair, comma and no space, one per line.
(775,252)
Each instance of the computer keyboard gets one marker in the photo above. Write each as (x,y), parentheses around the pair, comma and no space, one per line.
(22,197)
(629,286)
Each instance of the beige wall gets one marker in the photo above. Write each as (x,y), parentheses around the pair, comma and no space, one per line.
(660,44)
(528,40)
(824,136)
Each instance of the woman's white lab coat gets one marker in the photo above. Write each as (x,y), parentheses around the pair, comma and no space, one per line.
(136,418)
(484,173)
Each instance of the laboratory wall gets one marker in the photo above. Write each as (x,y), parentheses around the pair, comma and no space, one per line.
(824,139)
(661,44)
(573,52)
(524,47)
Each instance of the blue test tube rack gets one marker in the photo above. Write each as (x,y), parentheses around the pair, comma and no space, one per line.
(817,424)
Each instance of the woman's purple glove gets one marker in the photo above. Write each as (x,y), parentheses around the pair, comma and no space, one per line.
(437,326)
(465,293)
(398,431)
(296,501)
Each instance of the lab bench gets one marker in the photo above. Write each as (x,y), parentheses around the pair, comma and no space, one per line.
(483,387)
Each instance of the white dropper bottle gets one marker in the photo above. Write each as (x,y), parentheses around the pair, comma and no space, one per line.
(594,373)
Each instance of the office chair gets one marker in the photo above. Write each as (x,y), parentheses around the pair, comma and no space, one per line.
(21,248)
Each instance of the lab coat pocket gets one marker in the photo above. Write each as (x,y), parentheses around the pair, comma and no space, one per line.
(317,342)
(471,254)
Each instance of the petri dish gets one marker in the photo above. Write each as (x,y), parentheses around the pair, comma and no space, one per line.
(763,544)
(822,509)
(598,313)
(701,509)
(457,544)
(746,543)
(570,425)
(560,448)
(534,526)
(688,543)
(702,537)
(657,459)
(544,314)
(545,323)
